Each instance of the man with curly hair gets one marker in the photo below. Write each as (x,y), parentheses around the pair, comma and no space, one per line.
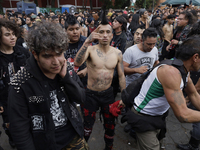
(12,59)
(43,115)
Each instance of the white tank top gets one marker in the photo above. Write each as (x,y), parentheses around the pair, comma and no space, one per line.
(151,100)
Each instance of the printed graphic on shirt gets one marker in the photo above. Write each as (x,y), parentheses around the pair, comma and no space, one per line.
(74,112)
(11,70)
(59,117)
(70,55)
(37,122)
(145,61)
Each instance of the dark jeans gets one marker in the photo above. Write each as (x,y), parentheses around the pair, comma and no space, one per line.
(94,100)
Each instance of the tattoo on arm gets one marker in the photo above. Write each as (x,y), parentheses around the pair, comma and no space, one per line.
(81,54)
(177,96)
(90,37)
(184,120)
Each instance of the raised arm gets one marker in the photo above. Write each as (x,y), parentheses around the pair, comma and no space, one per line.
(120,69)
(170,79)
(83,53)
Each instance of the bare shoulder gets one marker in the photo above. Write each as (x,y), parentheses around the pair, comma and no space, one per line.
(165,26)
(91,48)
(117,51)
(169,76)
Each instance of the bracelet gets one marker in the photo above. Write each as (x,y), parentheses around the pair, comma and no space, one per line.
(180,42)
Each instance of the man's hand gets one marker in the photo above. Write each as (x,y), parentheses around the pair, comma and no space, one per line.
(121,104)
(142,69)
(93,36)
(167,48)
(82,73)
(1,109)
(174,42)
(63,70)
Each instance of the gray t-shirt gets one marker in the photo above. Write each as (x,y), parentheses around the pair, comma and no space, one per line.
(137,58)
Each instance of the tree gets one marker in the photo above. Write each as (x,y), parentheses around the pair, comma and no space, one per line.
(52,3)
(121,4)
(149,3)
(91,5)
(107,3)
(1,8)
(36,2)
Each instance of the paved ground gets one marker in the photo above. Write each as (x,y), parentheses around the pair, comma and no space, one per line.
(176,133)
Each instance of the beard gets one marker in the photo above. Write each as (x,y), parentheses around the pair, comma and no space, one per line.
(179,29)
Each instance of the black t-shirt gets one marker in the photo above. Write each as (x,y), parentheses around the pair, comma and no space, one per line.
(119,41)
(7,62)
(20,41)
(72,50)
(64,131)
(70,55)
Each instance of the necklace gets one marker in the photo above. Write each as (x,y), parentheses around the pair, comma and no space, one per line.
(118,32)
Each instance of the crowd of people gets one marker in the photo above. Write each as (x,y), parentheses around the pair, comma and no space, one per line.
(51,63)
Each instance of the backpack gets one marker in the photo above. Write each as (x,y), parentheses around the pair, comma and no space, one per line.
(132,90)
(129,39)
(129,36)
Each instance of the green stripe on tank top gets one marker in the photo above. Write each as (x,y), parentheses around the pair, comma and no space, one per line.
(155,91)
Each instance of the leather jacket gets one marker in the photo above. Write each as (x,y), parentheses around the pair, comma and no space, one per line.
(31,123)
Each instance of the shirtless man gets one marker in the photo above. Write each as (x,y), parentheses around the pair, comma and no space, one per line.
(101,61)
(168,32)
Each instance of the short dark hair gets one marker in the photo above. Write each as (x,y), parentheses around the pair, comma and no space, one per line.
(195,29)
(188,48)
(71,20)
(156,23)
(123,21)
(149,32)
(139,27)
(47,37)
(8,25)
(154,17)
(170,17)
(61,19)
(54,17)
(188,16)
(29,16)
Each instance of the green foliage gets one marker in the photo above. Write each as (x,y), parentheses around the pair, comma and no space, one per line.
(121,4)
(149,3)
(107,3)
(36,2)
(1,8)
(52,3)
